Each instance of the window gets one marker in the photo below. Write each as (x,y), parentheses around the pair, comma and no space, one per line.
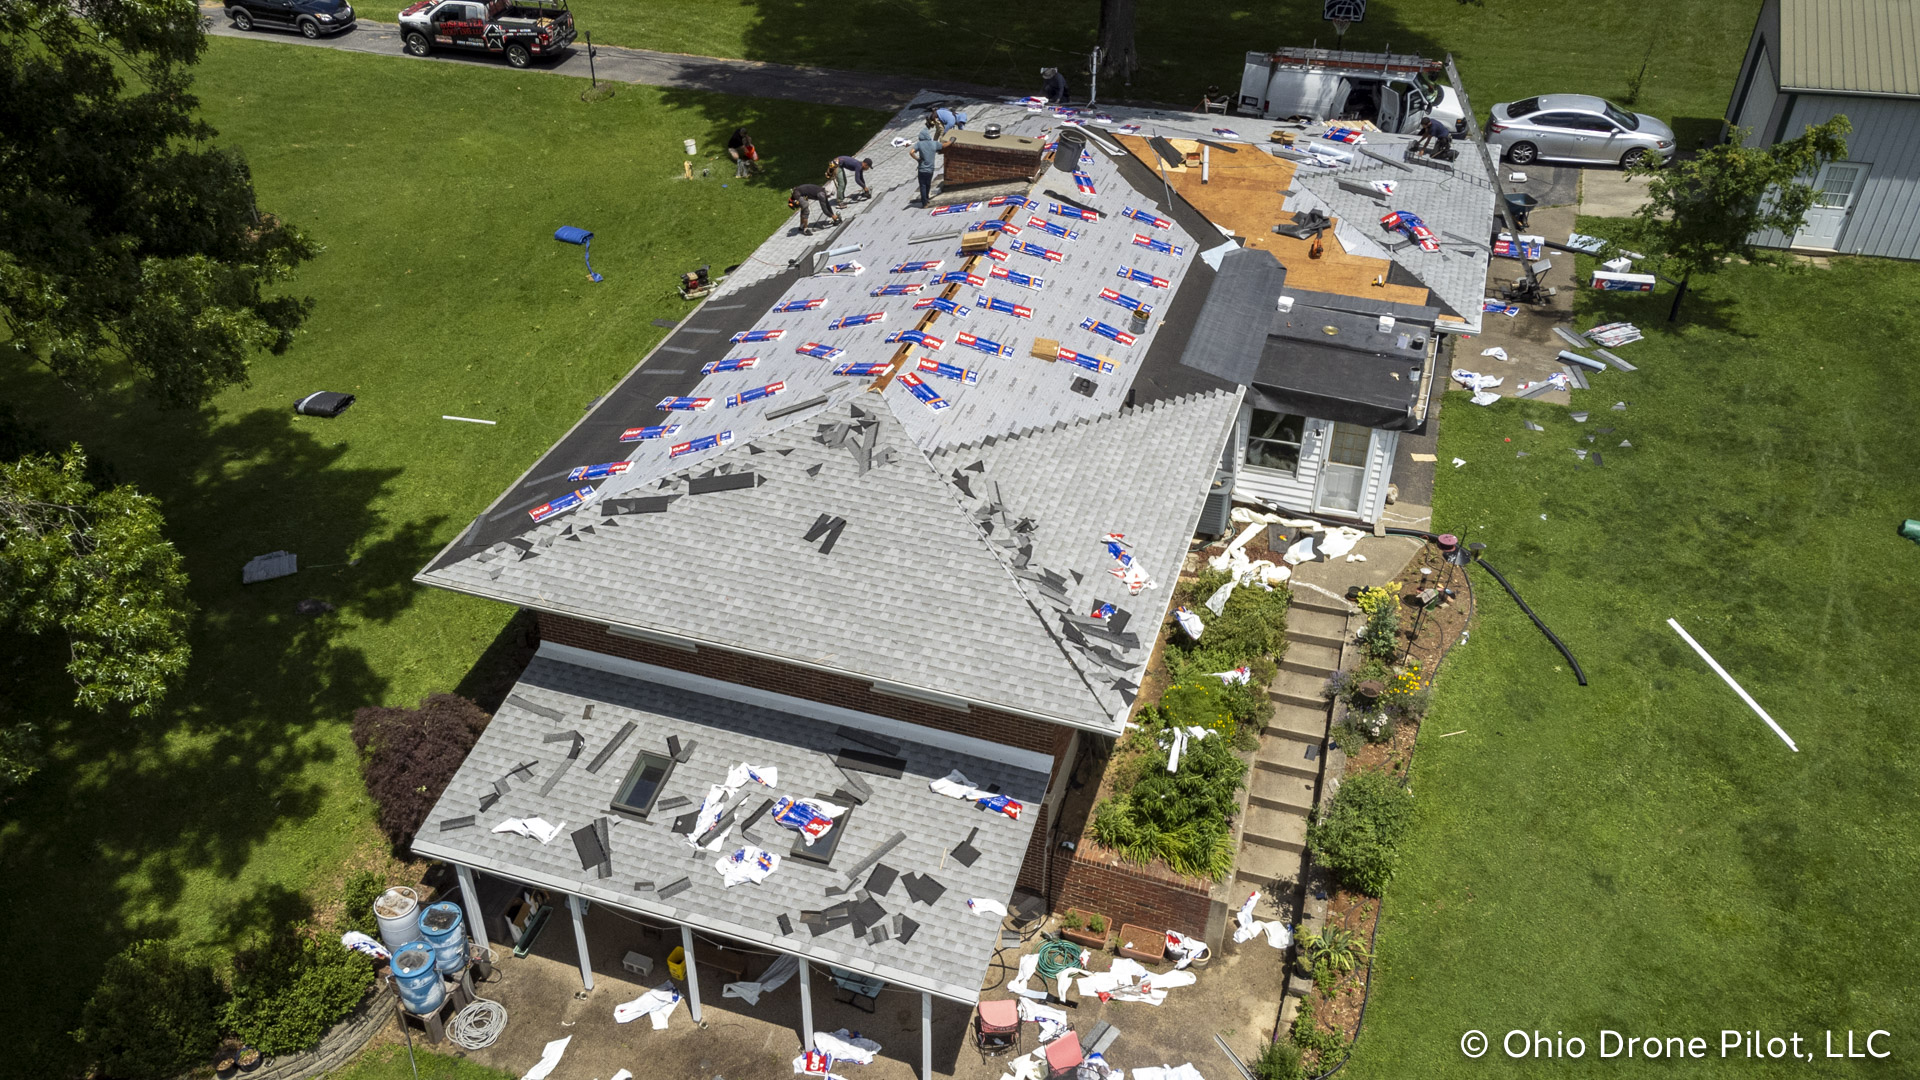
(642,784)
(1555,120)
(1836,190)
(1598,124)
(1620,116)
(1523,107)
(1349,446)
(1273,442)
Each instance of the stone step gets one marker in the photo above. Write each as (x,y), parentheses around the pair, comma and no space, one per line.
(1293,721)
(1283,829)
(1299,687)
(1316,623)
(1331,641)
(1280,754)
(1281,791)
(1309,657)
(1309,600)
(1265,867)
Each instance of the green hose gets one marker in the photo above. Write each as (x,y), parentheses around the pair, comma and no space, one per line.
(1056,957)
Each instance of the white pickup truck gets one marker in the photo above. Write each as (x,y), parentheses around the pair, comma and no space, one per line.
(518,31)
(1396,93)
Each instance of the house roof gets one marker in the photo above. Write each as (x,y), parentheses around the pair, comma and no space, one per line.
(1851,46)
(1341,366)
(947,952)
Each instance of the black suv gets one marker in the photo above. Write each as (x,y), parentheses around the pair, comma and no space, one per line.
(313,18)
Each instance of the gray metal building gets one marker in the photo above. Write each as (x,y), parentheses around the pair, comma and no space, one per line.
(1811,60)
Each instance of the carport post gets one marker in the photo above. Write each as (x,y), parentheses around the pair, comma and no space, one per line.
(578,906)
(470,898)
(693,977)
(926,1036)
(806,1003)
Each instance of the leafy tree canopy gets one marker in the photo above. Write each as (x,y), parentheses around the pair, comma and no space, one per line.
(1703,212)
(125,234)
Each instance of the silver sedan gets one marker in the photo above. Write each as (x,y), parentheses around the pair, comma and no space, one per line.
(1578,128)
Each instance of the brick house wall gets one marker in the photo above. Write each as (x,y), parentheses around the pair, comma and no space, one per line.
(1096,880)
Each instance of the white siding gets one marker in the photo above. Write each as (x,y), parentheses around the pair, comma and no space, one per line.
(1300,491)
(1886,138)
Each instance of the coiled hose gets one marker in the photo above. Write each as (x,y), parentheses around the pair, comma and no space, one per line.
(478,1025)
(1056,957)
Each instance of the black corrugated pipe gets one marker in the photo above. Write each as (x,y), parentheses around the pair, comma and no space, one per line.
(1557,643)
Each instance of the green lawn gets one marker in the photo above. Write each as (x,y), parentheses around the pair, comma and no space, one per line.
(1506,48)
(435,189)
(389,1062)
(1643,854)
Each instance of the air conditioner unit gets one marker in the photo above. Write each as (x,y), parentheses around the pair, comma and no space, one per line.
(1216,517)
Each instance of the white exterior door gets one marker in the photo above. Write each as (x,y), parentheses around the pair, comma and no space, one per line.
(1835,189)
(1343,479)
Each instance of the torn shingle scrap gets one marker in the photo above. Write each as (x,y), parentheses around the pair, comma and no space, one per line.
(538,710)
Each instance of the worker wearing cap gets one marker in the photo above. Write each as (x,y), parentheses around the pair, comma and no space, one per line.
(1436,138)
(950,119)
(838,169)
(1056,88)
(805,193)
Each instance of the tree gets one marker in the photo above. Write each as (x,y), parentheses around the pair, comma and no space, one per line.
(92,563)
(1703,212)
(1117,55)
(125,235)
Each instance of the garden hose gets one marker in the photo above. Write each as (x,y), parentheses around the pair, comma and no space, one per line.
(1557,643)
(478,1025)
(1056,957)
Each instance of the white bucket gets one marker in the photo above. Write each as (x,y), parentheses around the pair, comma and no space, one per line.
(690,150)
(398,912)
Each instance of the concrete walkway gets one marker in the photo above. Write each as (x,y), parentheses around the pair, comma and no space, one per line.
(745,78)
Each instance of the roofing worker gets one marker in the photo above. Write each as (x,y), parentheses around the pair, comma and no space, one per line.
(951,119)
(926,154)
(1056,88)
(1436,138)
(799,198)
(837,170)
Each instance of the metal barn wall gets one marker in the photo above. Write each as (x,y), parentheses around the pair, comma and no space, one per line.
(1886,136)
(1758,86)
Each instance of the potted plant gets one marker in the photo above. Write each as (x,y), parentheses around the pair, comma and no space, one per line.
(226,1060)
(250,1059)
(1084,928)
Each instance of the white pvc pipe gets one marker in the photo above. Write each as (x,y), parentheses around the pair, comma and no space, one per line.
(579,908)
(926,1036)
(1744,696)
(806,1003)
(693,977)
(470,899)
(1206,161)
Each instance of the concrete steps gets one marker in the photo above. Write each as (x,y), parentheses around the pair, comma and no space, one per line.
(1299,688)
(1282,829)
(1310,657)
(1291,721)
(1284,755)
(1265,867)
(1281,791)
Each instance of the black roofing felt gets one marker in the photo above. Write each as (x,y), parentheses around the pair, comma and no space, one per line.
(1356,376)
(1231,330)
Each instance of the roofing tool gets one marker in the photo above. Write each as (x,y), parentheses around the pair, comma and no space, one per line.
(1039,252)
(705,442)
(820,352)
(642,434)
(734,401)
(565,502)
(567,234)
(846,321)
(1146,216)
(800,305)
(995,225)
(862,370)
(741,364)
(941,303)
(964,376)
(689,404)
(923,266)
(747,336)
(1052,229)
(1015,277)
(1084,183)
(956,208)
(1073,212)
(1143,277)
(918,388)
(1161,246)
(917,337)
(845,268)
(991,348)
(1099,365)
(595,472)
(1106,331)
(1005,307)
(1115,296)
(904,288)
(961,277)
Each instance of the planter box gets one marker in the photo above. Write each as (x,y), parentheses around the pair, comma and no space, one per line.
(1083,936)
(1142,944)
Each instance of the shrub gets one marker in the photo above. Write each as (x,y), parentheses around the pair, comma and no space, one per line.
(1312,1038)
(1335,949)
(1178,818)
(1382,634)
(1278,1061)
(1359,835)
(1252,624)
(361,891)
(155,1013)
(287,994)
(408,755)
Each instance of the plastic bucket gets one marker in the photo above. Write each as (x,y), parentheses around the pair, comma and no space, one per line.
(677,962)
(690,148)
(421,991)
(398,912)
(442,926)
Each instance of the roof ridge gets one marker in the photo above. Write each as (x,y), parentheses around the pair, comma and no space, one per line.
(1177,401)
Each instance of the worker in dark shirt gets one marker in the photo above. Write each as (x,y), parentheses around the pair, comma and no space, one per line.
(1436,138)
(740,149)
(806,193)
(1056,88)
(838,170)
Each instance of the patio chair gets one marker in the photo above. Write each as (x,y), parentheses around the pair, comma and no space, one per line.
(1064,1057)
(996,1029)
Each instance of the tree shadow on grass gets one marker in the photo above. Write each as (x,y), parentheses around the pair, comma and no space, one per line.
(141,827)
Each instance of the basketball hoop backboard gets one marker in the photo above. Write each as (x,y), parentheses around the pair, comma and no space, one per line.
(1343,13)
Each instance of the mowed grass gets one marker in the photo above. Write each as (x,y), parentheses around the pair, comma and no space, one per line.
(1643,854)
(1506,48)
(435,189)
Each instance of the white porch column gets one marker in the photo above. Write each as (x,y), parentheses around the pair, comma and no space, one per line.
(926,1036)
(578,906)
(806,1003)
(470,899)
(693,976)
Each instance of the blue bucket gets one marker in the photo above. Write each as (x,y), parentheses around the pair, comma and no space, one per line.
(442,925)
(421,991)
